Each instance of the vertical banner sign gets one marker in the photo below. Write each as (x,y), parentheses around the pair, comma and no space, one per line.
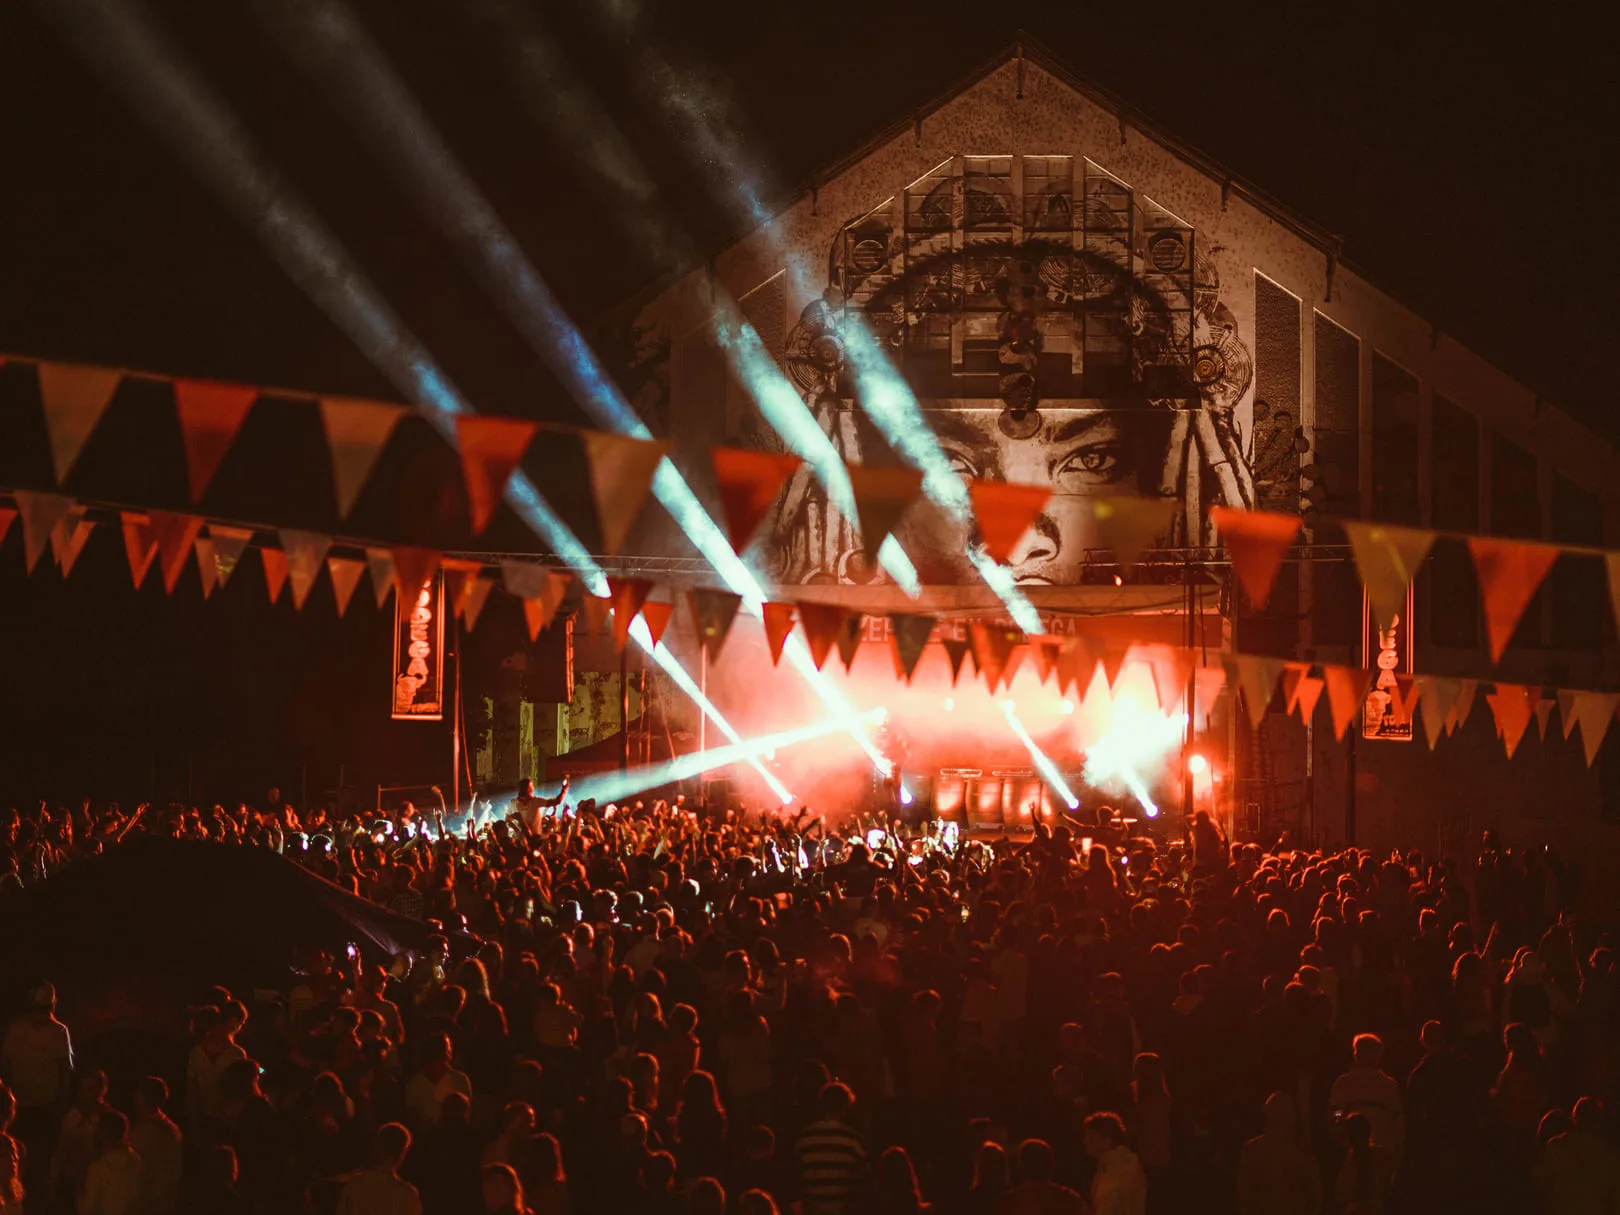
(419,653)
(1390,652)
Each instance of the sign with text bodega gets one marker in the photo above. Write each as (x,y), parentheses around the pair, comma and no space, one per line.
(419,653)
(1388,711)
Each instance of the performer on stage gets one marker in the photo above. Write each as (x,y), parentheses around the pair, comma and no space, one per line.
(529,808)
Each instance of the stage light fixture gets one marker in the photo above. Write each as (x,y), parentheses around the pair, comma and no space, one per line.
(950,703)
(1197,764)
(1068,706)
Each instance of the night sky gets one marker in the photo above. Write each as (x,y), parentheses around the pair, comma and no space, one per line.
(1465,159)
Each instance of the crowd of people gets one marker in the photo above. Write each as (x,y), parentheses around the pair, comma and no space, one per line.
(661,1012)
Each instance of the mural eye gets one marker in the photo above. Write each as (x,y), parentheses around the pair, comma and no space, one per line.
(961,464)
(1090,464)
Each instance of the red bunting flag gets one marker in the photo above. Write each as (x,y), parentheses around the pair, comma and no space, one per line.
(74,399)
(68,538)
(627,595)
(380,563)
(1436,697)
(908,635)
(227,544)
(778,619)
(1307,694)
(597,610)
(1172,667)
(412,569)
(823,625)
(7,513)
(656,615)
(1346,693)
(175,535)
(1544,708)
(1611,562)
(356,433)
(712,615)
(1509,573)
(956,649)
(1128,525)
(994,647)
(207,565)
(40,515)
(490,449)
(1005,512)
(1256,541)
(622,470)
(139,546)
(306,554)
(1076,664)
(1464,706)
(1293,672)
(1112,658)
(849,638)
(881,497)
(459,574)
(749,483)
(345,573)
(473,600)
(541,596)
(1512,705)
(1211,682)
(275,570)
(210,414)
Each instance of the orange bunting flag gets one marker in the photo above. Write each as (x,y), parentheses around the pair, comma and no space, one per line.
(227,545)
(275,571)
(412,568)
(1388,559)
(356,433)
(542,598)
(1405,699)
(1464,706)
(1256,678)
(749,483)
(622,471)
(306,554)
(1566,709)
(473,600)
(175,535)
(1112,658)
(657,614)
(1172,670)
(7,513)
(68,538)
(1544,708)
(1436,697)
(1509,573)
(490,449)
(627,595)
(778,619)
(207,564)
(40,515)
(849,639)
(956,649)
(881,497)
(823,624)
(380,562)
(210,414)
(1256,541)
(1594,711)
(1611,562)
(1513,705)
(1005,512)
(597,610)
(1346,693)
(74,398)
(345,573)
(1128,525)
(1046,649)
(1293,672)
(139,546)
(1076,664)
(994,647)
(908,635)
(1306,695)
(1210,683)
(713,613)
(458,579)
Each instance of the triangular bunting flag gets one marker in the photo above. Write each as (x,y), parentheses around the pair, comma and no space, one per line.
(1293,672)
(712,615)
(597,610)
(138,545)
(1015,658)
(74,398)
(7,514)
(1405,700)
(656,615)
(275,570)
(1306,695)
(622,472)
(1129,525)
(1566,709)
(749,482)
(380,563)
(1210,683)
(1172,670)
(1256,541)
(1005,512)
(1346,693)
(1112,658)
(541,607)
(227,544)
(1509,573)
(1463,707)
(412,568)
(207,565)
(956,649)
(1544,708)
(1513,705)
(1046,649)
(524,579)
(1594,710)
(778,620)
(1436,695)
(823,627)
(908,634)
(1076,663)
(345,573)
(1611,562)
(1256,677)
(210,414)
(472,603)
(881,497)
(849,638)
(356,433)
(490,449)
(306,553)
(175,535)
(459,573)
(74,530)
(996,652)
(627,595)
(1388,558)
(40,515)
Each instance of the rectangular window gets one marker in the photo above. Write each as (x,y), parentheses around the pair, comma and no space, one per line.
(1394,444)
(1580,600)
(1334,492)
(1448,585)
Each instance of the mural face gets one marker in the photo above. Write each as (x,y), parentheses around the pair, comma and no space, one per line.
(1054,332)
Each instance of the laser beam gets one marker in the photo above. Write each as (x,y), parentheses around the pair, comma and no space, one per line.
(1043,762)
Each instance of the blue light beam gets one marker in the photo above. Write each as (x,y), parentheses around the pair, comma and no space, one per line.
(1043,762)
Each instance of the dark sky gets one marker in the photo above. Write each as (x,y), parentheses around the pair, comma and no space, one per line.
(1465,158)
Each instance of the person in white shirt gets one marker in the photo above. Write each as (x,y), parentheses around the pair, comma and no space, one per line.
(1367,1089)
(36,1060)
(380,1190)
(530,807)
(157,1141)
(436,1080)
(112,1184)
(1120,1186)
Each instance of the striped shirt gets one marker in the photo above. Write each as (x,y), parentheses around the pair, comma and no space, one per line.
(832,1165)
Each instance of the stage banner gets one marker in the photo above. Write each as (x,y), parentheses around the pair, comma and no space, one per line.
(419,653)
(1388,713)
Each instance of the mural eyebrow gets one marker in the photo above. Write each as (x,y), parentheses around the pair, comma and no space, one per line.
(1062,432)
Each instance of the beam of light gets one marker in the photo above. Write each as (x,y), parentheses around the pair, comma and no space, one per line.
(1133,744)
(171,97)
(1043,762)
(324,35)
(613,786)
